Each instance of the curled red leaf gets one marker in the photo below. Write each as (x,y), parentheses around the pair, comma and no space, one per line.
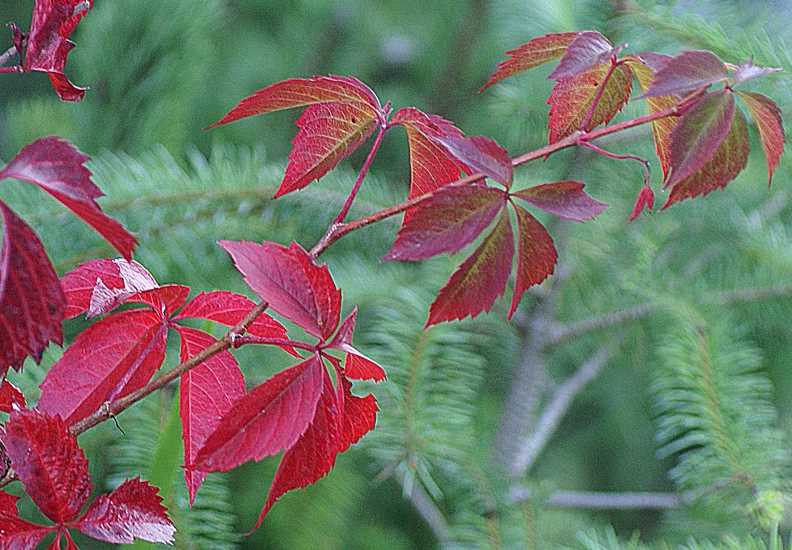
(767,117)
(589,48)
(644,201)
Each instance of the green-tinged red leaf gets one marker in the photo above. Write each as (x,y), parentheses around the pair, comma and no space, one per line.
(565,199)
(481,154)
(767,117)
(729,160)
(589,48)
(699,133)
(533,53)
(329,133)
(447,222)
(644,201)
(687,72)
(536,255)
(480,280)
(573,97)
(302,92)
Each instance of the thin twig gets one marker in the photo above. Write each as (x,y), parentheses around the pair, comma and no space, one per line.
(428,510)
(605,501)
(7,55)
(647,177)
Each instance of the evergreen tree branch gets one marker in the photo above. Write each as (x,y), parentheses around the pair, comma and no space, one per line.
(428,510)
(593,500)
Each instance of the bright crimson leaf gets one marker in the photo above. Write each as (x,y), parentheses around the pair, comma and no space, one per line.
(18,534)
(728,161)
(8,503)
(132,511)
(206,393)
(589,48)
(481,154)
(10,397)
(267,420)
(687,72)
(644,201)
(358,366)
(533,53)
(565,199)
(699,133)
(536,256)
(164,300)
(478,282)
(358,414)
(58,168)
(292,284)
(108,360)
(573,97)
(767,117)
(48,461)
(447,222)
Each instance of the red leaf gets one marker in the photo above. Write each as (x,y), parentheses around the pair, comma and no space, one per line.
(110,359)
(698,134)
(58,168)
(358,366)
(290,282)
(767,117)
(132,511)
(48,43)
(10,398)
(573,97)
(565,199)
(728,161)
(328,134)
(206,393)
(687,72)
(269,419)
(8,503)
(31,299)
(163,300)
(533,53)
(314,453)
(586,50)
(301,92)
(644,201)
(447,222)
(480,280)
(536,256)
(481,154)
(358,414)
(48,461)
(18,534)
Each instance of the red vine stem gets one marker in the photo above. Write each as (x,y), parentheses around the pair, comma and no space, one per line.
(620,156)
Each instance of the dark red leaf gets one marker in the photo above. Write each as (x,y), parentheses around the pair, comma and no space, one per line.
(10,398)
(589,48)
(314,453)
(565,199)
(269,419)
(110,359)
(644,201)
(31,299)
(206,393)
(699,133)
(767,117)
(480,280)
(358,366)
(533,53)
(290,282)
(18,534)
(48,461)
(447,222)
(58,168)
(481,154)
(132,511)
(163,300)
(536,256)
(687,72)
(358,414)
(8,503)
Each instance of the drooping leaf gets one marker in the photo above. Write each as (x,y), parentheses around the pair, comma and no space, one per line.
(58,168)
(767,117)
(687,72)
(749,71)
(48,461)
(206,393)
(10,397)
(573,97)
(132,511)
(358,414)
(358,366)
(533,53)
(728,161)
(110,359)
(268,419)
(31,299)
(565,199)
(328,134)
(699,133)
(302,92)
(292,284)
(588,49)
(644,201)
(480,280)
(447,222)
(536,255)
(481,154)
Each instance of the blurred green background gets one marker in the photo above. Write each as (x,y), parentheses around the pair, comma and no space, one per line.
(696,393)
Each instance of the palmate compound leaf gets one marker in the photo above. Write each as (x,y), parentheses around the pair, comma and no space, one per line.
(589,48)
(687,72)
(572,99)
(767,117)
